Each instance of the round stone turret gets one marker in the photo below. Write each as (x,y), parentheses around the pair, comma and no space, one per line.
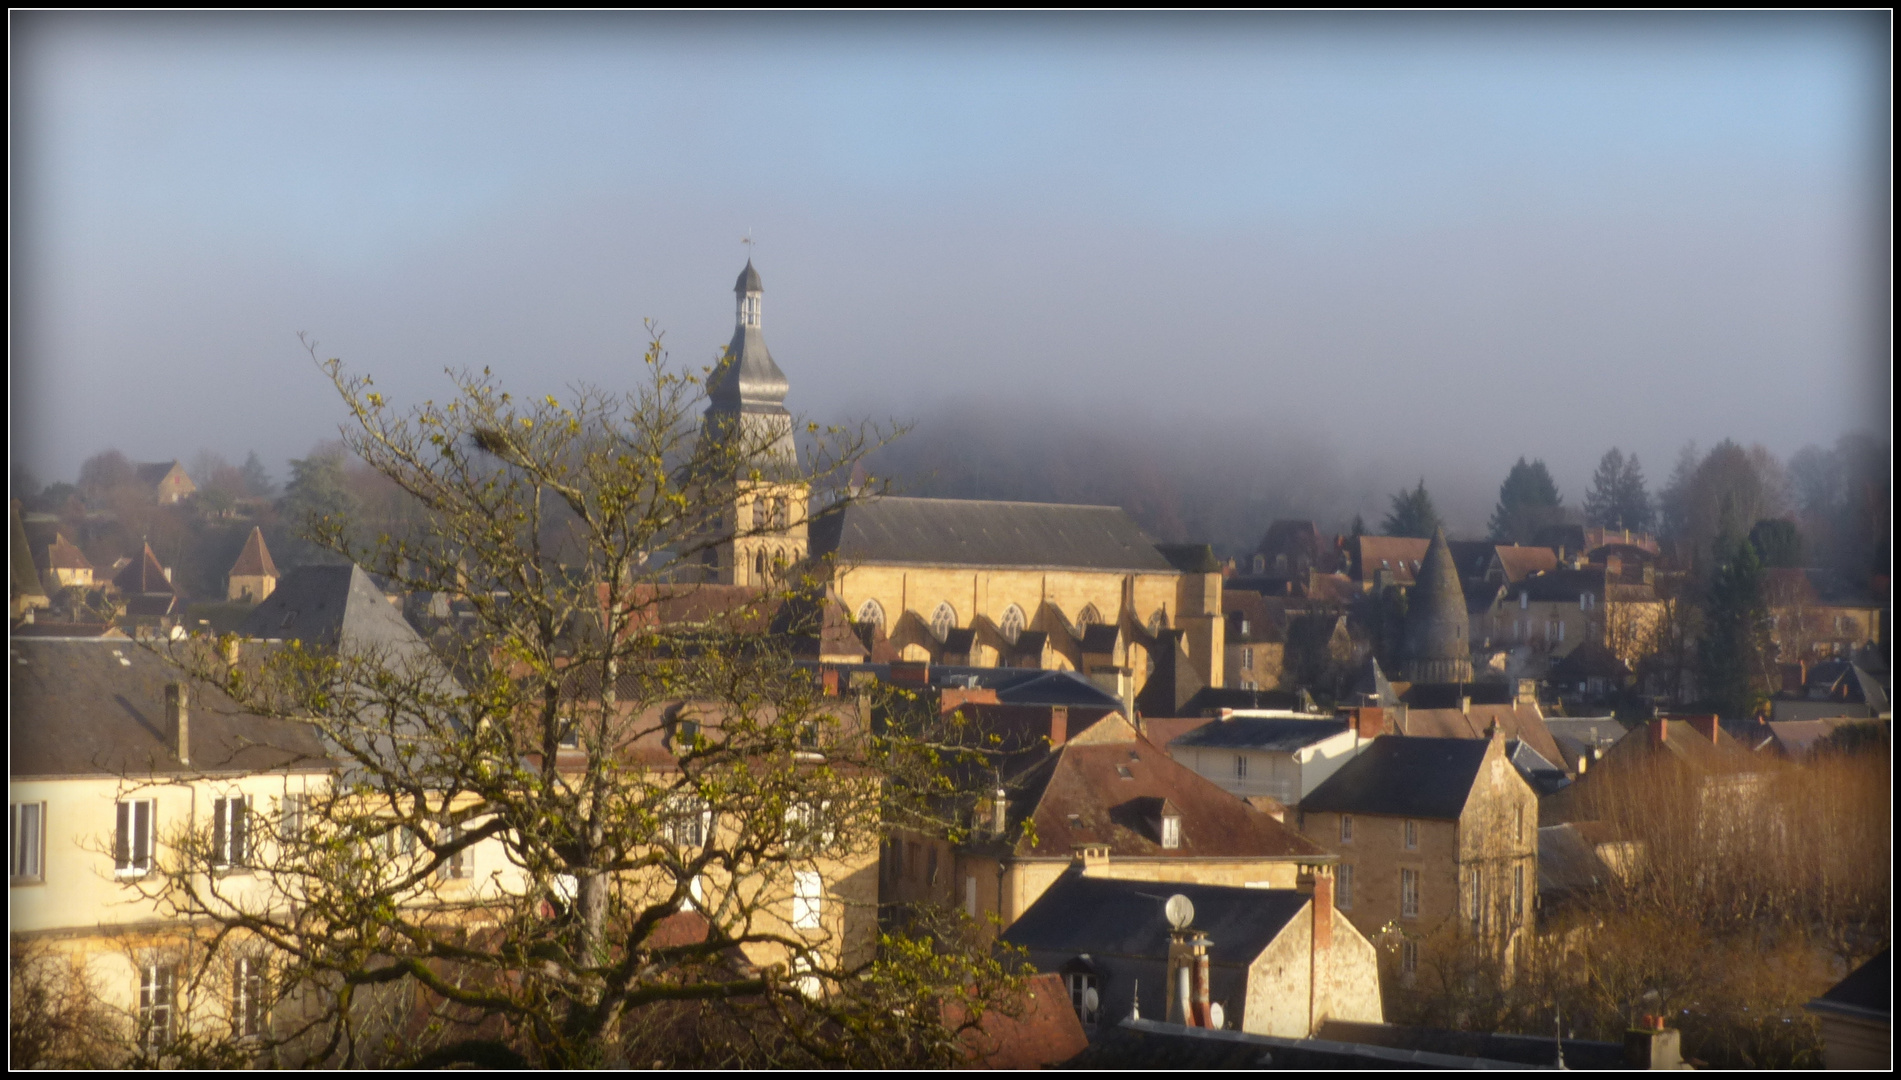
(1438,634)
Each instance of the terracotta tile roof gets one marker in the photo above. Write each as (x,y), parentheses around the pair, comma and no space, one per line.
(1400,554)
(1096,793)
(1522,722)
(63,554)
(1519,563)
(1044,1031)
(255,559)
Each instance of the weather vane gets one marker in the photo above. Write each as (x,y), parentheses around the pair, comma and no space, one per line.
(748,241)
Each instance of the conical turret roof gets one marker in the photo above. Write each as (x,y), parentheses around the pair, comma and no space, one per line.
(748,280)
(747,380)
(1438,639)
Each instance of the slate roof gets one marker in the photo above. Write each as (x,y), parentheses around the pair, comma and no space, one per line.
(1110,917)
(1273,734)
(255,559)
(24,580)
(151,473)
(1866,994)
(1436,621)
(976,532)
(96,707)
(1101,793)
(143,575)
(334,608)
(1568,863)
(1403,776)
(1241,606)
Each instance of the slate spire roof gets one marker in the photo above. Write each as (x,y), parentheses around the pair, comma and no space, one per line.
(981,532)
(144,576)
(1438,639)
(747,380)
(748,281)
(334,608)
(255,559)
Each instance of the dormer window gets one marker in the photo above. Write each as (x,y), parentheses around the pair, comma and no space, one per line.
(1171,830)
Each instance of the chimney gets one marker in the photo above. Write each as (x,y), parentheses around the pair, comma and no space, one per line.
(1705,726)
(1317,882)
(911,672)
(1659,732)
(1465,704)
(1369,722)
(228,648)
(999,812)
(1650,1045)
(1059,725)
(829,677)
(1527,692)
(1188,994)
(178,719)
(1092,856)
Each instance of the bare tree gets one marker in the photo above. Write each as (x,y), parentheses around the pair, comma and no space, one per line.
(687,816)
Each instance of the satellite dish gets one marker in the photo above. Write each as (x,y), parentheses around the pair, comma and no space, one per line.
(1180,911)
(1217,1016)
(1091,1000)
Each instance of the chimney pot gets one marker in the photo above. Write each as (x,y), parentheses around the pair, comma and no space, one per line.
(178,719)
(1059,725)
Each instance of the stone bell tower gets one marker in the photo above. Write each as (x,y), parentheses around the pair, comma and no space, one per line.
(766,502)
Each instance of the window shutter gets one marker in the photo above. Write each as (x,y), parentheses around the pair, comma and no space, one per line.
(142,834)
(240,830)
(220,835)
(122,838)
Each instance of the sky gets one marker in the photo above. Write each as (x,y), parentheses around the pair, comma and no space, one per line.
(1421,244)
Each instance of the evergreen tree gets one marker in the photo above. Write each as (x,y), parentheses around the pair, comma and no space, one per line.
(1527,501)
(1412,514)
(318,491)
(1777,542)
(1736,655)
(1618,499)
(257,482)
(1359,526)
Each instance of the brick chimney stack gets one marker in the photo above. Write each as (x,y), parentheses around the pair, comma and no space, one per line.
(1059,725)
(1659,732)
(1705,726)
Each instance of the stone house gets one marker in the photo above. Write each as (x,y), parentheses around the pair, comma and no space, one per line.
(67,565)
(1818,613)
(110,759)
(1104,797)
(1433,835)
(1256,642)
(1276,961)
(166,481)
(1283,758)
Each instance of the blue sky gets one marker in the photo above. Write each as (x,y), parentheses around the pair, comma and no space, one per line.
(1546,234)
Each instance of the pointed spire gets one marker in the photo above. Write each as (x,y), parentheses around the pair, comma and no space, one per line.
(144,576)
(1438,642)
(255,559)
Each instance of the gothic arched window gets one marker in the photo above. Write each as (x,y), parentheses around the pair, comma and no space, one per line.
(943,621)
(1012,625)
(1089,616)
(759,565)
(872,612)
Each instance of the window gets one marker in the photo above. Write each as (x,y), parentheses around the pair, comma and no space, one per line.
(158,986)
(1084,998)
(132,843)
(247,997)
(808,900)
(570,736)
(807,824)
(1524,601)
(1012,626)
(1518,893)
(462,861)
(1240,766)
(290,817)
(1089,616)
(1247,656)
(1343,890)
(970,895)
(943,621)
(1409,894)
(1411,833)
(930,871)
(1171,830)
(691,821)
(1522,838)
(1409,957)
(1346,828)
(230,832)
(26,841)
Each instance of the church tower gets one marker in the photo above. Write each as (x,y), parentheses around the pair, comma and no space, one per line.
(766,502)
(1438,641)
